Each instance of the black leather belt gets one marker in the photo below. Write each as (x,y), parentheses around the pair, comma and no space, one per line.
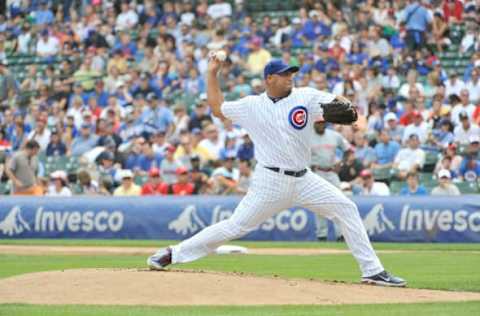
(291,173)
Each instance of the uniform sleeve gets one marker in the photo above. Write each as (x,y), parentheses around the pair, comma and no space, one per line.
(237,111)
(317,98)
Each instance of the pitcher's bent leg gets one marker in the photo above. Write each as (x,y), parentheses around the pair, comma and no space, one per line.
(323,198)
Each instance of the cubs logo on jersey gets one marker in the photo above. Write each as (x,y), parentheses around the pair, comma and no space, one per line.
(298,117)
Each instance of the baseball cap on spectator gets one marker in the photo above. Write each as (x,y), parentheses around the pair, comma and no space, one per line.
(171,149)
(366,173)
(444,173)
(313,13)
(87,113)
(278,66)
(106,155)
(181,170)
(152,96)
(256,82)
(391,116)
(54,131)
(462,116)
(59,174)
(203,96)
(196,131)
(154,172)
(44,32)
(194,157)
(417,114)
(474,139)
(125,174)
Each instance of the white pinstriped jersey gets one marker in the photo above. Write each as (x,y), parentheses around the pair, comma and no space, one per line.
(282,132)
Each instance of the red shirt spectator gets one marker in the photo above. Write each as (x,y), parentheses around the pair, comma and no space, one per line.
(452,9)
(182,187)
(154,186)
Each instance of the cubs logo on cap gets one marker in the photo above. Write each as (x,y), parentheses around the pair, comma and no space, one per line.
(298,117)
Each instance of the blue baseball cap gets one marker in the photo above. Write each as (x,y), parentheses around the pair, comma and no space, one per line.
(277,66)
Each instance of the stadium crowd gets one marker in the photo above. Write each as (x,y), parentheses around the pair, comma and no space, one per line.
(108,97)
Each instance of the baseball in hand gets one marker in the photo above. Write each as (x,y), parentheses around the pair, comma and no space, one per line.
(220,55)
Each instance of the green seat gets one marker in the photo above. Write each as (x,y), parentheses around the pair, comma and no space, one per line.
(381,174)
(4,188)
(468,187)
(396,187)
(140,180)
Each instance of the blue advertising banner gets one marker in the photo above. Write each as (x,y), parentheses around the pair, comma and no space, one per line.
(138,218)
(393,219)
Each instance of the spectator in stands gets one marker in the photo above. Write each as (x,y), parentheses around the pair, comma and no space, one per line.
(453,85)
(418,127)
(127,19)
(56,147)
(445,187)
(394,130)
(154,186)
(443,136)
(363,151)
(464,106)
(22,170)
(212,141)
(199,115)
(474,147)
(326,142)
(465,130)
(470,168)
(246,151)
(372,187)
(87,186)
(158,115)
(85,142)
(59,185)
(385,151)
(410,158)
(226,177)
(417,21)
(127,187)
(182,185)
(473,86)
(350,168)
(169,166)
(199,176)
(47,45)
(258,57)
(245,178)
(41,133)
(413,187)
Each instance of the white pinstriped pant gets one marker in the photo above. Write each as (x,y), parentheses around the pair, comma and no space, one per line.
(272,192)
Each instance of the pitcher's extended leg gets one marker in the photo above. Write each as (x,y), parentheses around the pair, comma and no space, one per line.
(321,197)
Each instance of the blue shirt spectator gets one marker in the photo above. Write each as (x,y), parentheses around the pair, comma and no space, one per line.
(470,169)
(386,150)
(420,190)
(44,15)
(416,17)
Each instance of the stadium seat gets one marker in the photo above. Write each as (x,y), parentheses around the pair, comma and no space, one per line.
(381,174)
(466,187)
(4,188)
(396,187)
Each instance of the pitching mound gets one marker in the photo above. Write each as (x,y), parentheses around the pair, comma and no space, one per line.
(176,287)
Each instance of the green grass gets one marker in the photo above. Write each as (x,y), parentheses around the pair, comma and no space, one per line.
(256,244)
(437,309)
(434,266)
(452,271)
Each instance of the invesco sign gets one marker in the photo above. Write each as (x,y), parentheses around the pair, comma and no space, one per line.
(77,221)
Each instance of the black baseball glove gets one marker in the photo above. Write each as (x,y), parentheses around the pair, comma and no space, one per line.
(339,111)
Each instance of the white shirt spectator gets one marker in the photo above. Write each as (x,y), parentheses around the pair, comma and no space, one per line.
(462,136)
(24,40)
(454,87)
(473,90)
(407,158)
(405,89)
(49,47)
(42,139)
(391,82)
(219,10)
(421,130)
(126,20)
(378,188)
(213,148)
(65,191)
(459,108)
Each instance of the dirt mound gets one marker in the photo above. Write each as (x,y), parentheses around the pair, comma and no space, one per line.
(177,287)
